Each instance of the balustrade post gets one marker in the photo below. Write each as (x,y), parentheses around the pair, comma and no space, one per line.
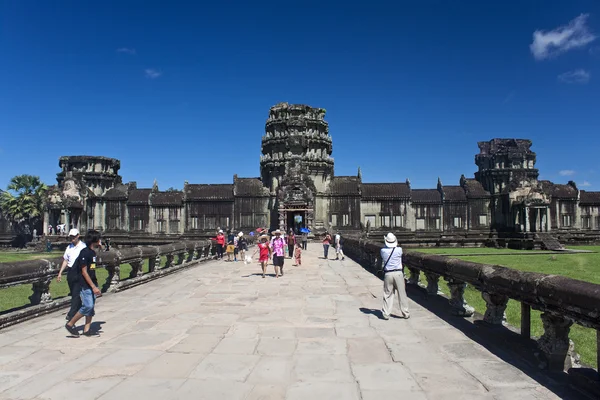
(136,269)
(196,253)
(181,258)
(432,283)
(525,320)
(169,262)
(190,255)
(457,299)
(41,292)
(113,279)
(555,343)
(153,262)
(414,276)
(496,305)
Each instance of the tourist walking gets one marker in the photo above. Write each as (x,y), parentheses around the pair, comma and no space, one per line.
(71,254)
(338,246)
(263,250)
(393,281)
(304,240)
(242,246)
(298,254)
(220,244)
(85,266)
(278,246)
(291,242)
(326,243)
(230,245)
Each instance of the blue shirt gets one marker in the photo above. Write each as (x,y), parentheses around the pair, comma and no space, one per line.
(395,262)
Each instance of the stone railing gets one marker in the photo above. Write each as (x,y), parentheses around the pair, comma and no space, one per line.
(162,260)
(562,301)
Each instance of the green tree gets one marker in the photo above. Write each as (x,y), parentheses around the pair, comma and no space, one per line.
(24,198)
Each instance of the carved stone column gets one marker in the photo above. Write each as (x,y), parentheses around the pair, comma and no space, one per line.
(432,283)
(41,292)
(153,263)
(169,262)
(414,276)
(113,279)
(555,343)
(136,269)
(496,305)
(181,258)
(457,299)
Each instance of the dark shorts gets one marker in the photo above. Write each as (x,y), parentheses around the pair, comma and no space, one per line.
(278,261)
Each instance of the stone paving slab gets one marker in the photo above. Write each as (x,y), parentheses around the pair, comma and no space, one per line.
(221,331)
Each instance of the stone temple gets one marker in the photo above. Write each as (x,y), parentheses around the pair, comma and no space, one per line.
(504,203)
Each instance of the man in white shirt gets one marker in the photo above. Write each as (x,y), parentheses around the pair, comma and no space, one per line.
(71,254)
(338,247)
(393,281)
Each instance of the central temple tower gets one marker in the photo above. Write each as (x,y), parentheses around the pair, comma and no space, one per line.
(296,163)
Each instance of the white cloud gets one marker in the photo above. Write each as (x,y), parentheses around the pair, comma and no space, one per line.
(548,44)
(126,50)
(152,73)
(585,184)
(566,172)
(575,76)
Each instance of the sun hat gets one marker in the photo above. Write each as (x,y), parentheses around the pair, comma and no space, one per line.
(390,240)
(241,234)
(263,237)
(220,230)
(73,232)
(276,232)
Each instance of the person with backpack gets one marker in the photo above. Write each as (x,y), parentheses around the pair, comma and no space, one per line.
(338,246)
(393,281)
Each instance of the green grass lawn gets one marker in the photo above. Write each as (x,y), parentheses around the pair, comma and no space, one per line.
(582,266)
(18,296)
(12,256)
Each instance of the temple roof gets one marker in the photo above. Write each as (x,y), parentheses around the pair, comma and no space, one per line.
(426,196)
(139,196)
(166,199)
(454,193)
(209,192)
(474,189)
(344,186)
(559,191)
(119,192)
(250,187)
(589,198)
(376,191)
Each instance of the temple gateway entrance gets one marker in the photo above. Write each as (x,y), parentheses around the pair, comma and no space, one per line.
(296,217)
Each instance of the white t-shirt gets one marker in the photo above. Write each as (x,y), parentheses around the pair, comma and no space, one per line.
(72,252)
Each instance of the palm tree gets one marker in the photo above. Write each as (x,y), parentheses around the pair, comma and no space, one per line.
(24,198)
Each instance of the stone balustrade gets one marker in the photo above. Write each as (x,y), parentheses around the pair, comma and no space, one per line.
(562,301)
(162,260)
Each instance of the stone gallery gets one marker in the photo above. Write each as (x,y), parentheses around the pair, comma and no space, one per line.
(298,189)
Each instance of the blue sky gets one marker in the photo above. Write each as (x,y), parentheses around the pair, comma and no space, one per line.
(181,90)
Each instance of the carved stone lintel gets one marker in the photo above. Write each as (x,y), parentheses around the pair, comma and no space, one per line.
(113,279)
(41,292)
(496,305)
(136,269)
(555,343)
(414,276)
(432,283)
(457,299)
(169,262)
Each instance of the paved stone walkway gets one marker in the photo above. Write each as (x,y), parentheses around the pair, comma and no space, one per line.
(220,331)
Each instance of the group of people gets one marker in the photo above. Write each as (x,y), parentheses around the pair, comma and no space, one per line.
(337,243)
(276,248)
(232,245)
(79,260)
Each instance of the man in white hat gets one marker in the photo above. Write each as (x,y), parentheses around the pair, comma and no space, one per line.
(391,257)
(71,254)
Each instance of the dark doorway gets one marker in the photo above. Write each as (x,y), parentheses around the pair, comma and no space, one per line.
(296,220)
